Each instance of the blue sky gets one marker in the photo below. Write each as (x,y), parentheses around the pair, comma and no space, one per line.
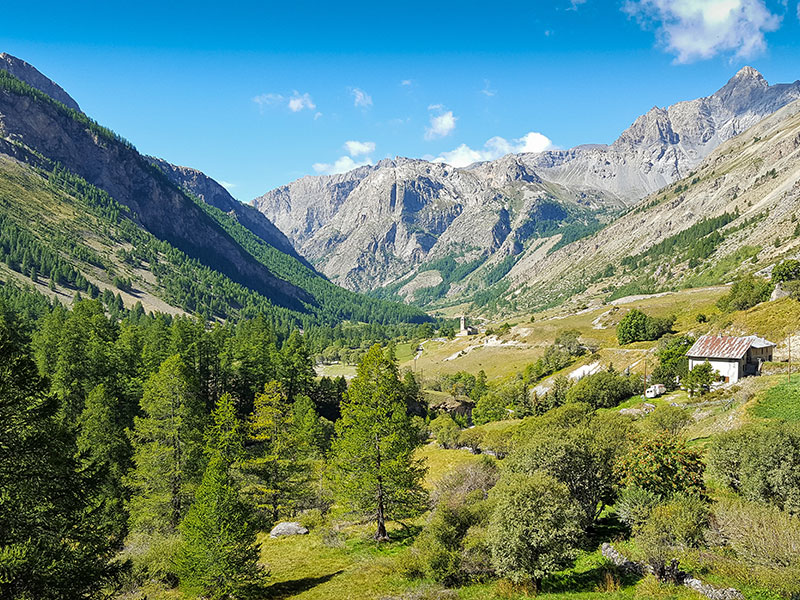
(259,94)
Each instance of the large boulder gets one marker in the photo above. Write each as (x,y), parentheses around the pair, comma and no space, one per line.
(287,528)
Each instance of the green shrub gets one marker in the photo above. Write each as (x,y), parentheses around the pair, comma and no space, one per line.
(636,326)
(745,293)
(635,505)
(759,534)
(663,465)
(667,419)
(605,389)
(535,528)
(680,523)
(762,463)
(787,270)
(445,430)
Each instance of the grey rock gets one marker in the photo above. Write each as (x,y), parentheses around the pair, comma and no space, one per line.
(287,528)
(30,75)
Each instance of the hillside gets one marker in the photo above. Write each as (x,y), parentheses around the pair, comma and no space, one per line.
(44,141)
(736,213)
(430,233)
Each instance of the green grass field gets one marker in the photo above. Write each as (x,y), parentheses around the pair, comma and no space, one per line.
(781,402)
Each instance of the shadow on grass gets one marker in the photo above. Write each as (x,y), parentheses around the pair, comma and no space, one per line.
(586,581)
(286,589)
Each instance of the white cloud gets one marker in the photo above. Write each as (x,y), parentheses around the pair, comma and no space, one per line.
(487,91)
(227,184)
(300,101)
(495,148)
(355,148)
(701,29)
(361,98)
(441,125)
(317,115)
(405,82)
(341,165)
(798,11)
(574,4)
(295,103)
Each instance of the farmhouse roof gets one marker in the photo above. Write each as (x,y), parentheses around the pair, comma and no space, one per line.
(726,346)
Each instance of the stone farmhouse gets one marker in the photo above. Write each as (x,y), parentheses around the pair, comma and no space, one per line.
(730,356)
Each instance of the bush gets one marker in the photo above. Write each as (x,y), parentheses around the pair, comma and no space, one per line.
(581,457)
(678,524)
(451,548)
(635,505)
(491,407)
(535,528)
(636,326)
(745,293)
(787,270)
(663,465)
(759,534)
(762,463)
(667,419)
(605,389)
(472,438)
(445,430)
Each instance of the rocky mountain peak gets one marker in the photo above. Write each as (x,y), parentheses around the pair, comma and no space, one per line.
(30,75)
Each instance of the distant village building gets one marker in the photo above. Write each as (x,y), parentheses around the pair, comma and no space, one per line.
(466,330)
(730,356)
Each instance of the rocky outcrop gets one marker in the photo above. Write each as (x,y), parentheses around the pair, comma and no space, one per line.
(287,528)
(30,75)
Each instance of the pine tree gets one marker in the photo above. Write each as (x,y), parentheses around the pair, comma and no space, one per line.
(275,469)
(373,467)
(219,554)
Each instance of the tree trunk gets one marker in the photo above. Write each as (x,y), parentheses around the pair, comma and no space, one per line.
(380,534)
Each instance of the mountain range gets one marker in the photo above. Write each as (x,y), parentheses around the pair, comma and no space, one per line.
(688,195)
(403,228)
(111,218)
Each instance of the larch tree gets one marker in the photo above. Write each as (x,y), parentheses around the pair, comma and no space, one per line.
(51,543)
(167,450)
(274,469)
(219,553)
(373,464)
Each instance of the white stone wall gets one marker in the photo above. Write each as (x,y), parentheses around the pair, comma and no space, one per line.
(725,368)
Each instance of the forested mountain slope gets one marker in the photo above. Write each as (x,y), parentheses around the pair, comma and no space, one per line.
(42,139)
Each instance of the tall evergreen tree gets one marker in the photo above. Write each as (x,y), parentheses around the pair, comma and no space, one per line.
(373,466)
(219,554)
(296,368)
(275,469)
(167,446)
(51,544)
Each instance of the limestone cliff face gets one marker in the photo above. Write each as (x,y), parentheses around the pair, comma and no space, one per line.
(156,203)
(379,224)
